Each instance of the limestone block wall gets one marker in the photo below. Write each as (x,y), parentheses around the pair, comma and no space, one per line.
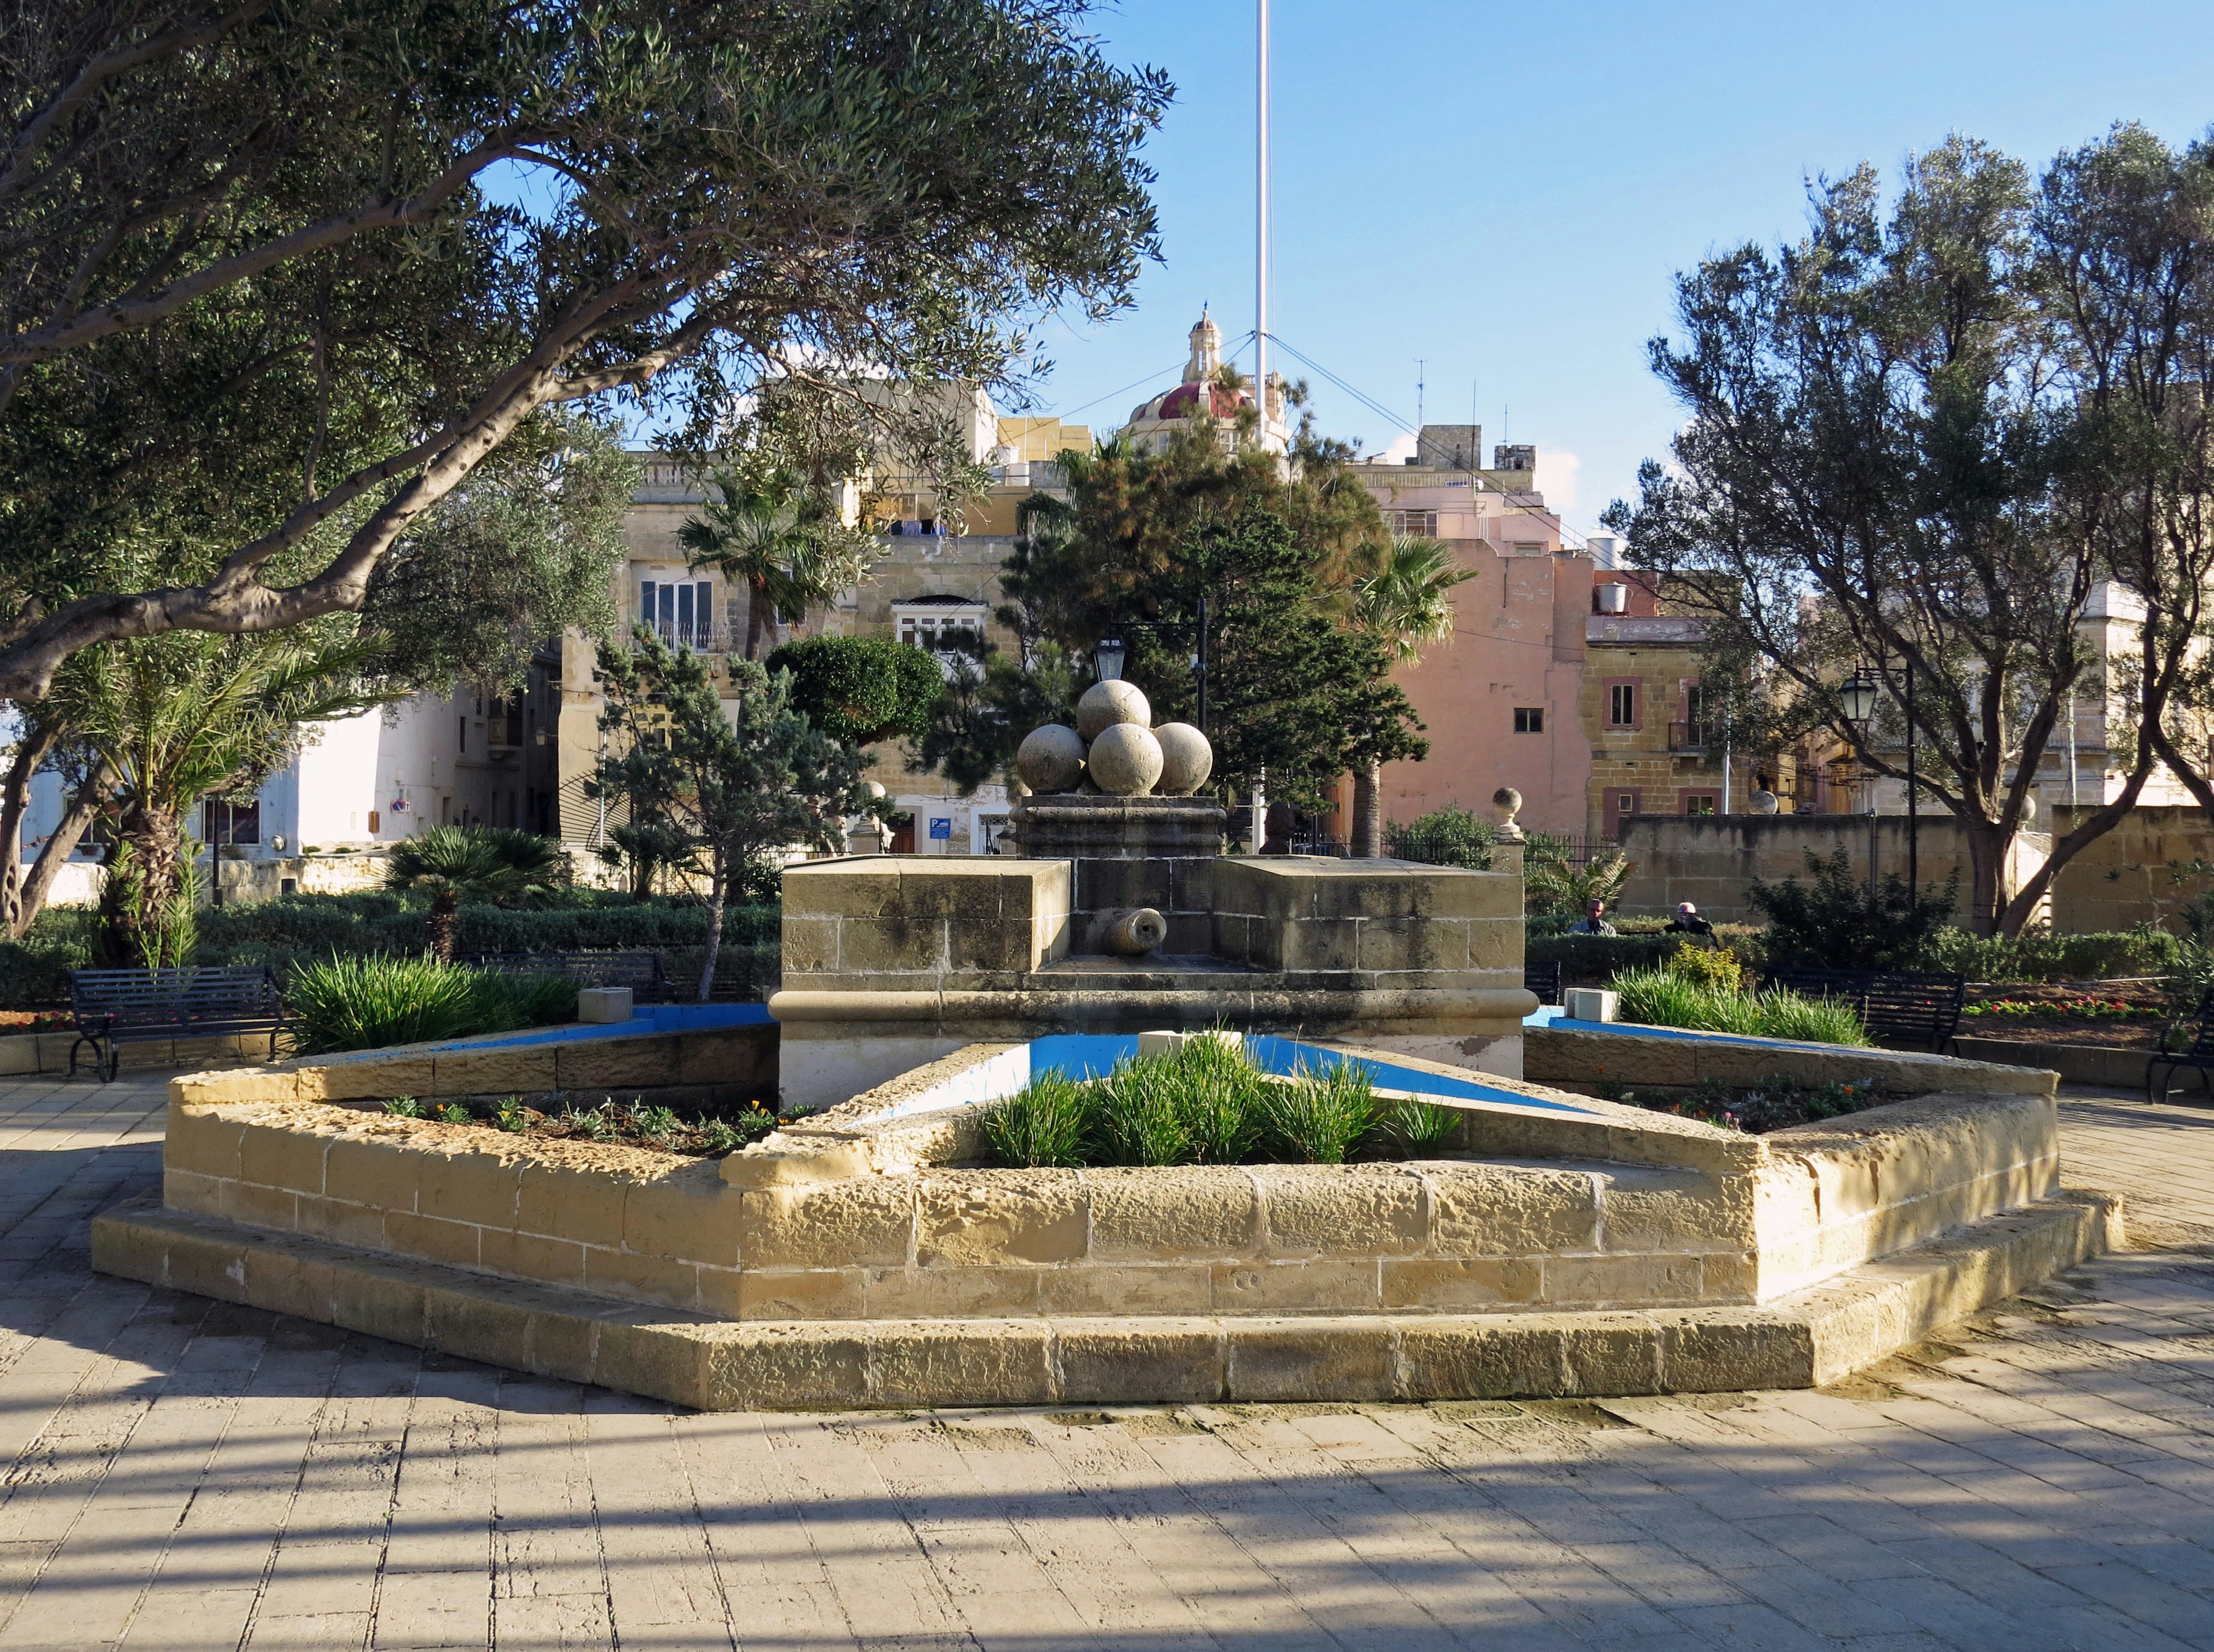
(1442,1236)
(1376,925)
(922,922)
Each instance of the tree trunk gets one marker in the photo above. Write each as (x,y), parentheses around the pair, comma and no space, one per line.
(1368,811)
(442,926)
(716,894)
(30,752)
(761,618)
(138,922)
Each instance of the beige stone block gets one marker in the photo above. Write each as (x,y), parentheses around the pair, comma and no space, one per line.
(1495,944)
(1730,1275)
(1318,1359)
(983,1364)
(1327,944)
(432,1239)
(382,1173)
(128,1247)
(381,1302)
(1109,1364)
(572,1201)
(692,1213)
(1459,1284)
(1324,1286)
(1611,1354)
(954,1293)
(1485,1210)
(788,1366)
(1200,1210)
(741,1056)
(617,1064)
(865,1221)
(561,1346)
(1650,1208)
(1623,1281)
(977,945)
(810,945)
(201,1139)
(1393,944)
(479,1324)
(257,1206)
(372,1079)
(1089,1288)
(654,1278)
(966,1217)
(493,1072)
(893,946)
(839,890)
(790,1294)
(188,1190)
(277,1156)
(664,1361)
(470,1181)
(1518,1355)
(531,1256)
(1342,1210)
(340,1222)
(1703,1355)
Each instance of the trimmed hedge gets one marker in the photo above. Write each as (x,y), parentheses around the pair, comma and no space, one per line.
(2040,955)
(1593,960)
(295,929)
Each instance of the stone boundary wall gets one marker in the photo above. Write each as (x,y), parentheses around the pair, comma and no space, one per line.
(717,1063)
(1440,1235)
(1587,1057)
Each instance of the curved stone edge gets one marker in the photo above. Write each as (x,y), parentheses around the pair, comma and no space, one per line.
(1801,1341)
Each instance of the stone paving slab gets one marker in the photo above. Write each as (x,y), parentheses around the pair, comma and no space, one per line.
(179,1472)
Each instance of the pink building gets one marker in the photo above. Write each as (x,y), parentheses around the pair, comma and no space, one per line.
(1501,698)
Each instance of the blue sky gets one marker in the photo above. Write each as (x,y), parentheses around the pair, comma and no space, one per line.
(1507,192)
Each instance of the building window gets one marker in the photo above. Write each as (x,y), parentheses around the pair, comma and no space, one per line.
(939,627)
(230,823)
(681,612)
(1529,719)
(461,733)
(1702,802)
(1413,524)
(1622,705)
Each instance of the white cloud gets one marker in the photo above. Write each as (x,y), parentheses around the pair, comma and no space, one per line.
(1556,478)
(1401,450)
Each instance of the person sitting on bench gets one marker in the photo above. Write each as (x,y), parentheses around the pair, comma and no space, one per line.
(1594,920)
(1687,921)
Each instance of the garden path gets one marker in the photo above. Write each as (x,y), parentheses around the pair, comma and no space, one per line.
(179,1473)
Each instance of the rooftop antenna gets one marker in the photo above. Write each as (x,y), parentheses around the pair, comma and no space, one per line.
(1261,225)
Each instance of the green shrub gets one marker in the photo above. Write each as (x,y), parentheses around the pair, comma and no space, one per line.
(1450,836)
(1658,998)
(2040,955)
(1419,1127)
(367,1004)
(1047,1122)
(1223,1088)
(1837,922)
(860,690)
(1137,1115)
(1321,1117)
(1594,958)
(1707,966)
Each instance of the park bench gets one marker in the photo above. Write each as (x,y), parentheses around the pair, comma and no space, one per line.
(2200,1055)
(639,971)
(115,1006)
(1545,980)
(1893,1004)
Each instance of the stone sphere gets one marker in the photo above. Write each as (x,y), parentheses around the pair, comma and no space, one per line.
(1126,760)
(1186,760)
(1050,758)
(1105,704)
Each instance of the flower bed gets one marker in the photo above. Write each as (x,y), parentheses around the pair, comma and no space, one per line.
(1776,1102)
(635,1123)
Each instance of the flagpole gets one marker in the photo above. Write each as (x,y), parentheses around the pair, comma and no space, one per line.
(1261,222)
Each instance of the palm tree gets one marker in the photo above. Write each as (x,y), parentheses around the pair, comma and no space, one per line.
(1401,601)
(789,556)
(474,862)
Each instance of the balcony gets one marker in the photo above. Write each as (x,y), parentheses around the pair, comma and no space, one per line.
(1690,739)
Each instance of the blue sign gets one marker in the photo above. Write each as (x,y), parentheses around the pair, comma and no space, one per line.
(941,827)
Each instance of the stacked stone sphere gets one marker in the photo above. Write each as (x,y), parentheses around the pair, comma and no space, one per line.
(1116,748)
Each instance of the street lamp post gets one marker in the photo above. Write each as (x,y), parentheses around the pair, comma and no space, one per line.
(1107,656)
(1857,695)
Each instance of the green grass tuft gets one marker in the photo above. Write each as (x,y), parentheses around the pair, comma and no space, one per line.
(367,1002)
(1045,1123)
(1659,997)
(1320,1118)
(1418,1127)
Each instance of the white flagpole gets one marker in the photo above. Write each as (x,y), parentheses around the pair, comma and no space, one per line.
(1261,219)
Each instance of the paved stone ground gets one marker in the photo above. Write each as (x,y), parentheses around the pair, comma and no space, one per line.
(184,1474)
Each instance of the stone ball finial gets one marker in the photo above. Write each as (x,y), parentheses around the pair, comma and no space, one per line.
(1108,704)
(1186,760)
(1050,758)
(1125,760)
(1764,802)
(1506,804)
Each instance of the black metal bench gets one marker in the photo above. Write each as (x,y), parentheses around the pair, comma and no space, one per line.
(115,1006)
(641,972)
(1545,980)
(2200,1055)
(1892,1003)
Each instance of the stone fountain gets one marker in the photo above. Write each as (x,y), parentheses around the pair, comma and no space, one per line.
(1120,913)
